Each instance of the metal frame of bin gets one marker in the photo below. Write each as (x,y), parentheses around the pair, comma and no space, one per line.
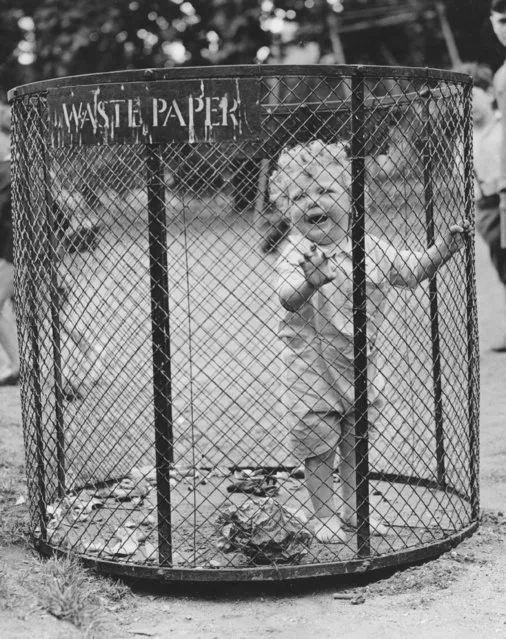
(161,348)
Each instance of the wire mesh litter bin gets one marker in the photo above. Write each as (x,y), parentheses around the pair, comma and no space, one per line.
(153,388)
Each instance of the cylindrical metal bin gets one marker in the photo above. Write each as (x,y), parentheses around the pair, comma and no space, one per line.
(153,390)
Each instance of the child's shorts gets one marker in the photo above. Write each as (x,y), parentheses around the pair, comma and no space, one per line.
(319,433)
(315,434)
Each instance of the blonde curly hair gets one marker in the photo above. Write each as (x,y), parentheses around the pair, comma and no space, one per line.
(311,159)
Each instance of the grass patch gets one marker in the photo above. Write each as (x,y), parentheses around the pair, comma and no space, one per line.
(13,518)
(68,591)
(61,587)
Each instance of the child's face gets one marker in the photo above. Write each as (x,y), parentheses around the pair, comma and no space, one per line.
(482,106)
(319,207)
(498,21)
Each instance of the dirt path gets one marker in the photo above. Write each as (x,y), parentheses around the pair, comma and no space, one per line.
(460,595)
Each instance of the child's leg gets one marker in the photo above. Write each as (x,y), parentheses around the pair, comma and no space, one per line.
(348,477)
(320,485)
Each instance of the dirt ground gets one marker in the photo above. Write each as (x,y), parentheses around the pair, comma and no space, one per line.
(462,594)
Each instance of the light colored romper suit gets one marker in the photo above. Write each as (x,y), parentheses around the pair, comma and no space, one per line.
(318,353)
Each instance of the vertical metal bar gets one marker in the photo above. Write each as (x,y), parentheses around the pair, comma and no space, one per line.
(37,400)
(160,331)
(428,152)
(471,310)
(55,304)
(360,311)
(33,332)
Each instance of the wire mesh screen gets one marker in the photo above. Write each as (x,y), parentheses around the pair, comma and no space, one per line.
(177,415)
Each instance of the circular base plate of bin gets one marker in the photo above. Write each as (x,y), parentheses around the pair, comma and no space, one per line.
(412,535)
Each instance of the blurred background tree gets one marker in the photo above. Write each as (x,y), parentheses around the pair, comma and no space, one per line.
(42,39)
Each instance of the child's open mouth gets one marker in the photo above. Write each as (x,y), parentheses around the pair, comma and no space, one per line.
(319,218)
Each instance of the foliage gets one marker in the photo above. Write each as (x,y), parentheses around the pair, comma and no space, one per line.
(11,72)
(92,36)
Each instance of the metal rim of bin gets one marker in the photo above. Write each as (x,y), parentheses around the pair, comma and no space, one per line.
(282,572)
(195,73)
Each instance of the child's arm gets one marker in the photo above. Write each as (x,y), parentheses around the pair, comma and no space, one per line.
(441,251)
(409,269)
(298,286)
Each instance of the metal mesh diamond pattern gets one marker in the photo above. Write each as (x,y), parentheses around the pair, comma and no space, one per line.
(152,372)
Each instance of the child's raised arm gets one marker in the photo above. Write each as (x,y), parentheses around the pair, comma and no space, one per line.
(409,269)
(441,251)
(302,280)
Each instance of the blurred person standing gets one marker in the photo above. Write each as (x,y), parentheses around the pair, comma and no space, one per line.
(488,145)
(8,335)
(487,149)
(77,232)
(498,21)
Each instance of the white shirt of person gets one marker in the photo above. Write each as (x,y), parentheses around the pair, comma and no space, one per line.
(487,144)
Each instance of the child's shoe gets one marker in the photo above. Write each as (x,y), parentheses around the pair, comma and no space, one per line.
(330,530)
(376,526)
